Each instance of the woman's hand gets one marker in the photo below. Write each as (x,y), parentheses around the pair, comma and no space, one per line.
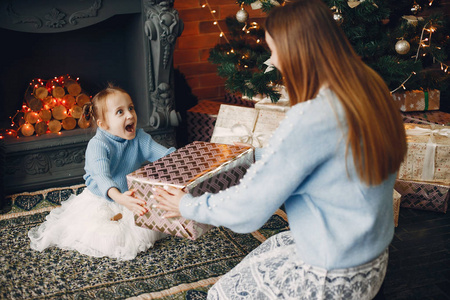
(169,200)
(129,200)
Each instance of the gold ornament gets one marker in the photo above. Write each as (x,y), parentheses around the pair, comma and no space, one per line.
(337,15)
(402,47)
(242,15)
(416,8)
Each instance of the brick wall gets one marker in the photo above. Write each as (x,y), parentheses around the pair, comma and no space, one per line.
(199,36)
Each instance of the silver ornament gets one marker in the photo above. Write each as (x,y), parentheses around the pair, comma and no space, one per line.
(242,15)
(338,17)
(402,47)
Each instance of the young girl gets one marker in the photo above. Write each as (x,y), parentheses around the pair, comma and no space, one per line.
(100,221)
(332,162)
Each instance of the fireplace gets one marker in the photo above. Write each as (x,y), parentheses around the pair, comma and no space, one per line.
(129,43)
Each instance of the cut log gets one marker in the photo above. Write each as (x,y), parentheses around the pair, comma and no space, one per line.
(35,104)
(68,101)
(45,115)
(76,111)
(69,123)
(59,112)
(82,99)
(31,117)
(41,92)
(54,126)
(49,102)
(18,119)
(27,129)
(58,92)
(73,88)
(41,127)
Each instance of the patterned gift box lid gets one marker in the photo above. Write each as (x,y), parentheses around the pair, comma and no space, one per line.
(192,164)
(432,196)
(207,107)
(199,167)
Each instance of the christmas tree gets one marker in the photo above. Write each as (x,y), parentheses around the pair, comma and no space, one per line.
(404,41)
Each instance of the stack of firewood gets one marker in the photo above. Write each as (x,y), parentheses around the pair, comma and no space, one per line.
(52,105)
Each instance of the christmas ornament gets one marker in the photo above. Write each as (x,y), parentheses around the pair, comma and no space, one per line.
(412,20)
(337,15)
(354,3)
(242,15)
(416,8)
(402,47)
(258,4)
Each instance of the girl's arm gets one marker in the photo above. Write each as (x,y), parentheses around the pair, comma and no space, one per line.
(152,150)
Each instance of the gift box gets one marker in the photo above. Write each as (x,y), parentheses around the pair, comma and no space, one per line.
(428,117)
(428,155)
(397,200)
(200,120)
(245,125)
(239,100)
(417,100)
(282,105)
(197,168)
(432,196)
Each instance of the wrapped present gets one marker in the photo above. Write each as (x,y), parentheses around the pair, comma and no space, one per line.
(239,100)
(428,155)
(427,117)
(282,105)
(432,196)
(245,125)
(417,100)
(397,199)
(197,168)
(200,120)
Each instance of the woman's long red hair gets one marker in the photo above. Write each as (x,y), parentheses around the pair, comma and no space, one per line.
(313,51)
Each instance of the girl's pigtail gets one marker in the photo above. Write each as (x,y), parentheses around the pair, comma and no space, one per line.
(88,111)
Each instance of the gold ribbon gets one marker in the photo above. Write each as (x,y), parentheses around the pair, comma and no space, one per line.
(242,133)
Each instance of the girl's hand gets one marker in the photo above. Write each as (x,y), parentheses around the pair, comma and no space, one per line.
(129,200)
(169,200)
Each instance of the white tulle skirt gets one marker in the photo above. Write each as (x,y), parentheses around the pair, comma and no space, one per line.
(83,223)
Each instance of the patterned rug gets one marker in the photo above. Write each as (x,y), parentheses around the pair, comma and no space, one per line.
(176,268)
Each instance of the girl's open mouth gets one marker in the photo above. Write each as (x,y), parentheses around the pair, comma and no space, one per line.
(129,127)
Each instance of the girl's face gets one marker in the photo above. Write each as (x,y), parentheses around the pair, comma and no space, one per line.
(120,117)
(273,50)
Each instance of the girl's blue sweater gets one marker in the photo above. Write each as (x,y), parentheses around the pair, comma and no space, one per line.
(109,159)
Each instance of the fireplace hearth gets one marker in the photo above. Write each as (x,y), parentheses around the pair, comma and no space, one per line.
(128,43)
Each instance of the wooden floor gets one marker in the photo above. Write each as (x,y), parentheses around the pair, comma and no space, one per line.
(419,257)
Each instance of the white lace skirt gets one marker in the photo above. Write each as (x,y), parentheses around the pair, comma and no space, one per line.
(273,271)
(83,223)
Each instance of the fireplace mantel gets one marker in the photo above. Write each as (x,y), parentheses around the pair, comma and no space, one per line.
(50,160)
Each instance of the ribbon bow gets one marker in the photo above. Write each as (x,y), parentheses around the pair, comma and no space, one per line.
(242,133)
(430,152)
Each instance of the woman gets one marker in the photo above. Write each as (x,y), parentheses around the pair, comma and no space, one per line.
(332,162)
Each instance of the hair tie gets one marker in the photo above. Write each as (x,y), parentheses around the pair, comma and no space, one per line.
(88,111)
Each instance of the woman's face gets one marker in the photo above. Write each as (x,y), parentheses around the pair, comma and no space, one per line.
(273,49)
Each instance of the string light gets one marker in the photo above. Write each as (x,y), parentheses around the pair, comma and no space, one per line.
(216,21)
(423,44)
(24,118)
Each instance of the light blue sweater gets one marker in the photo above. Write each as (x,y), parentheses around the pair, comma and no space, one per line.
(337,221)
(110,158)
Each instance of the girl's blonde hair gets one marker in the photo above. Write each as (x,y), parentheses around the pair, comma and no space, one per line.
(96,109)
(313,51)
